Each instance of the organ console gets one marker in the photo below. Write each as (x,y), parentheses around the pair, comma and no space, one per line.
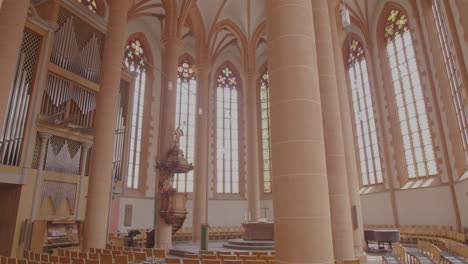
(382,236)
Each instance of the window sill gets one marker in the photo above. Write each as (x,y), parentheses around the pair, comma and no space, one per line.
(370,189)
(430,181)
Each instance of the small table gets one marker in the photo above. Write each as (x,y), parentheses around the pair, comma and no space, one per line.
(259,231)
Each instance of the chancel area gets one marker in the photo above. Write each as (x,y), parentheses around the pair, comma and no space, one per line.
(233,131)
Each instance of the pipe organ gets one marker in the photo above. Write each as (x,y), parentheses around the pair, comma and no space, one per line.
(11,138)
(121,124)
(77,46)
(67,103)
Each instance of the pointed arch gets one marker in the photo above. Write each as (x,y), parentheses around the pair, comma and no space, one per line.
(410,128)
(228,116)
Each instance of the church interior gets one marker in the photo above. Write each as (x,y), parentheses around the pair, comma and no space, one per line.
(233,131)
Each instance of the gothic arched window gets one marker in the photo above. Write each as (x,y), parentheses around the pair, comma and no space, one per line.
(410,104)
(90,4)
(364,119)
(456,83)
(227,132)
(185,119)
(265,131)
(136,61)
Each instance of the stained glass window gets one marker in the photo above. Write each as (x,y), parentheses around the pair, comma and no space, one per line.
(227,133)
(456,82)
(364,118)
(185,119)
(135,60)
(410,105)
(90,4)
(265,131)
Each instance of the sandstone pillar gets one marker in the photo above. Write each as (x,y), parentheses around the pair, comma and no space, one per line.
(348,137)
(200,190)
(12,19)
(300,196)
(343,244)
(253,179)
(100,179)
(172,46)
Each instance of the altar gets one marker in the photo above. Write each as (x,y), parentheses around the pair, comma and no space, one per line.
(258,231)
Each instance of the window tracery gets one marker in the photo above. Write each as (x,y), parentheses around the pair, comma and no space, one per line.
(265,131)
(90,4)
(227,132)
(411,107)
(185,119)
(364,119)
(135,61)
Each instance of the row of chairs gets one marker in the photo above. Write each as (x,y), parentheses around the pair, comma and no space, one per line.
(214,233)
(430,250)
(412,233)
(230,257)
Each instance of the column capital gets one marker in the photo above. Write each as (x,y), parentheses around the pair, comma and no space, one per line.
(202,68)
(86,145)
(171,41)
(45,136)
(249,75)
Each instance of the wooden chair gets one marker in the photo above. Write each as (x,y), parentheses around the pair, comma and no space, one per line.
(208,257)
(232,257)
(255,262)
(350,261)
(267,258)
(191,256)
(231,261)
(53,259)
(241,253)
(64,260)
(159,253)
(173,260)
(105,259)
(77,261)
(129,254)
(73,254)
(211,261)
(121,259)
(92,250)
(246,258)
(11,260)
(93,256)
(92,261)
(83,255)
(139,256)
(149,252)
(98,250)
(259,253)
(107,251)
(191,261)
(22,261)
(219,253)
(206,252)
(37,257)
(45,258)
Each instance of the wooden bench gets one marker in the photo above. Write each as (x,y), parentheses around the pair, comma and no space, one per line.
(449,258)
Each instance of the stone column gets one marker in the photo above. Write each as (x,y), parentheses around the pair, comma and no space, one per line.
(200,190)
(343,244)
(100,179)
(172,46)
(253,179)
(348,137)
(300,197)
(12,19)
(83,160)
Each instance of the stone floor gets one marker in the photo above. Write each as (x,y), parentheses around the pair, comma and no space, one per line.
(373,258)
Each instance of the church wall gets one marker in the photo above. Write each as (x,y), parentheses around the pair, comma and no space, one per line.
(377,209)
(142,213)
(461,188)
(425,206)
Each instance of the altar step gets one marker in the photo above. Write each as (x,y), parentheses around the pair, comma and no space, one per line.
(241,244)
